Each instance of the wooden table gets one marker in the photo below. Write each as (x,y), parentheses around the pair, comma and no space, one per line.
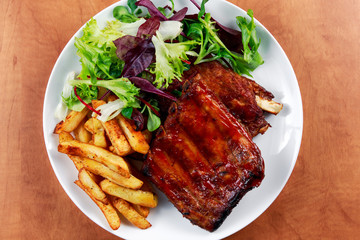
(321,199)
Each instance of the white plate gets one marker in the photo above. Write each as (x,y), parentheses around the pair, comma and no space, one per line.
(279,146)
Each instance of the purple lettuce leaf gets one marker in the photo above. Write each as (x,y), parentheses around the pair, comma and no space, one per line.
(124,44)
(138,118)
(179,16)
(149,28)
(154,12)
(147,86)
(138,58)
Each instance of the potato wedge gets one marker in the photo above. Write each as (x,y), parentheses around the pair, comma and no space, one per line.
(143,211)
(94,126)
(130,213)
(100,169)
(90,185)
(65,137)
(81,134)
(114,132)
(89,125)
(114,162)
(108,210)
(99,137)
(77,161)
(135,138)
(73,119)
(79,165)
(143,198)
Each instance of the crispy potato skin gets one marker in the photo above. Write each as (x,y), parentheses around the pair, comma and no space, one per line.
(71,122)
(100,169)
(91,186)
(143,198)
(108,210)
(96,162)
(130,213)
(114,132)
(135,138)
(106,157)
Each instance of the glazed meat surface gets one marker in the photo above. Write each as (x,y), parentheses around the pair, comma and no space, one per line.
(236,92)
(203,159)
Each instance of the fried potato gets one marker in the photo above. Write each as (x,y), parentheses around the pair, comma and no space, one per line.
(114,162)
(130,213)
(108,210)
(135,138)
(100,169)
(73,119)
(65,137)
(81,133)
(143,211)
(112,97)
(90,185)
(99,138)
(79,165)
(89,125)
(94,126)
(114,132)
(77,162)
(143,198)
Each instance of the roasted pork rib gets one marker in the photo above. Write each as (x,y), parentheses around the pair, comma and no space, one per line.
(203,159)
(236,92)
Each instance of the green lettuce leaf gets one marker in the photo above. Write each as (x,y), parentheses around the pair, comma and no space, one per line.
(121,87)
(212,48)
(250,40)
(97,52)
(169,56)
(85,92)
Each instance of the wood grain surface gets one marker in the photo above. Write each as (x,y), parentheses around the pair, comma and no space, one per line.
(321,199)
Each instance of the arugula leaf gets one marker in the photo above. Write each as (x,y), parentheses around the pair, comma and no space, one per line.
(121,87)
(85,92)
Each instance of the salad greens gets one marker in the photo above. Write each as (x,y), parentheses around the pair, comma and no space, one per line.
(154,121)
(169,63)
(140,54)
(85,92)
(121,87)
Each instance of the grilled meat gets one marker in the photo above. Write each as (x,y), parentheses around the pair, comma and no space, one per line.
(203,159)
(236,92)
